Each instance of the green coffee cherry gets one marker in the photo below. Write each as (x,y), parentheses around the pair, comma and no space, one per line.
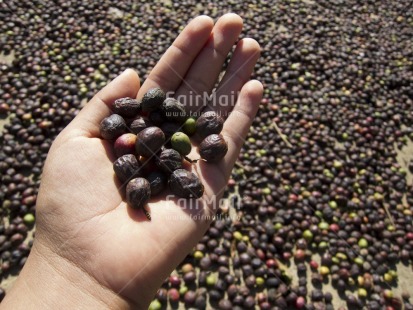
(362,293)
(155,305)
(259,281)
(308,235)
(198,254)
(29,219)
(211,280)
(182,290)
(190,126)
(363,243)
(324,270)
(181,143)
(237,236)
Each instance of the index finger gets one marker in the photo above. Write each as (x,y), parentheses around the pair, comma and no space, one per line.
(172,67)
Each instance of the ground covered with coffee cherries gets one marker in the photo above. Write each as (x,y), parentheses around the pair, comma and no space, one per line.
(319,212)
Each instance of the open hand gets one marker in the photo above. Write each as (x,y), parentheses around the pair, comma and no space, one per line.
(87,239)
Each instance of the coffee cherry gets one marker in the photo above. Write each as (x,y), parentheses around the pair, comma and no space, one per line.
(139,124)
(149,141)
(138,192)
(181,143)
(157,181)
(169,129)
(169,160)
(213,148)
(29,219)
(153,100)
(125,144)
(112,127)
(126,167)
(185,184)
(157,117)
(126,107)
(173,110)
(209,123)
(190,126)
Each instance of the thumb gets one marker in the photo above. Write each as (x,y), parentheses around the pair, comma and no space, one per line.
(87,122)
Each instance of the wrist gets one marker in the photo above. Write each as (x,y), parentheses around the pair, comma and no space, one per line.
(50,281)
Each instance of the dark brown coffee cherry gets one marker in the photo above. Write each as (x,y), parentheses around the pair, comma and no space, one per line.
(157,180)
(173,110)
(185,184)
(139,124)
(149,141)
(127,167)
(153,100)
(170,128)
(112,127)
(213,148)
(138,192)
(157,117)
(169,160)
(209,123)
(126,107)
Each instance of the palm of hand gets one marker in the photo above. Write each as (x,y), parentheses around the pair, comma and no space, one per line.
(82,215)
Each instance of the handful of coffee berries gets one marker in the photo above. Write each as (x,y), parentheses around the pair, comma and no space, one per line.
(151,141)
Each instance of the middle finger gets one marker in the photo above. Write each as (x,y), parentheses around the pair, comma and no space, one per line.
(201,77)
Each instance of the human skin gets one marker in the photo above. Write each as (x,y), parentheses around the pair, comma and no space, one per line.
(91,250)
